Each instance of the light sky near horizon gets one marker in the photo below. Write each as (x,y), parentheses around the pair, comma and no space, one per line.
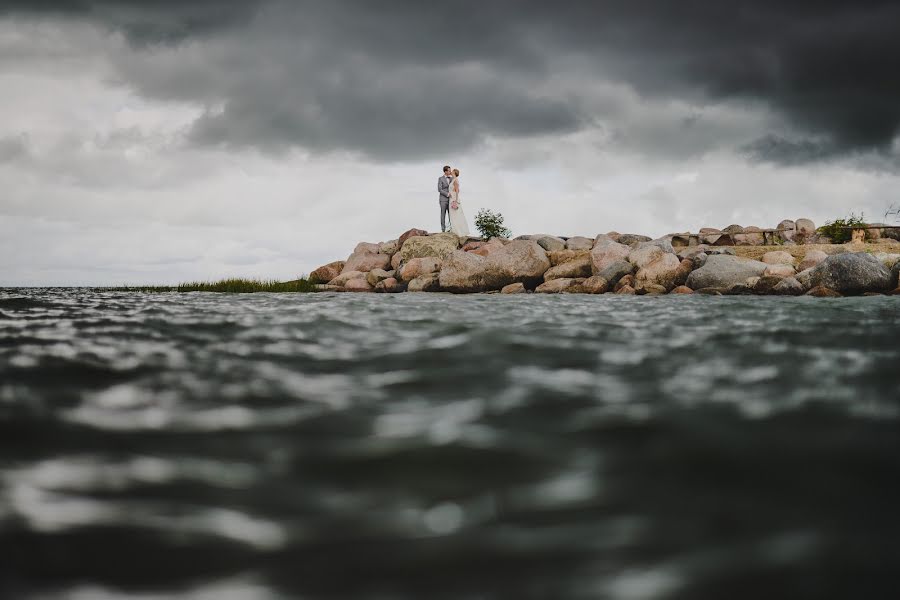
(200,140)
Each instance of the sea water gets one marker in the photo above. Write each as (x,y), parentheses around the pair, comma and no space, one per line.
(195,446)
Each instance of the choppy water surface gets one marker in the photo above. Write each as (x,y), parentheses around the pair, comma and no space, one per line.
(206,446)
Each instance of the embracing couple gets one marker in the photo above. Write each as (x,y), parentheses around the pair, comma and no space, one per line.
(448,188)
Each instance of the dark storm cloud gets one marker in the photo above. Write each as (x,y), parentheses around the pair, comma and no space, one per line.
(379,76)
(144,22)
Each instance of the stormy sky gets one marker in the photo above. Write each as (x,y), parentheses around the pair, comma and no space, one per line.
(174,140)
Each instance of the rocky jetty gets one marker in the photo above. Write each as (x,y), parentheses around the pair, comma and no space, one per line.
(789,260)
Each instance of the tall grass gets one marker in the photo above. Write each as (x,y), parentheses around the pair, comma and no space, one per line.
(247,286)
(235,285)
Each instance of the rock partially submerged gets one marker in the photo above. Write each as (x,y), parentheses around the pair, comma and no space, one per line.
(522,261)
(723,271)
(851,274)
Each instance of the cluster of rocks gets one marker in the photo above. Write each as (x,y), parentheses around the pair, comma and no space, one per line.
(611,263)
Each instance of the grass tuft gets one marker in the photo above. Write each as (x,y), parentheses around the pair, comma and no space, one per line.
(248,286)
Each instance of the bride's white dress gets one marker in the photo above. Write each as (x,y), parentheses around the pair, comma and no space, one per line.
(458,224)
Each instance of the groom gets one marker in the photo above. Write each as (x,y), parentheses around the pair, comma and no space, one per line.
(444,197)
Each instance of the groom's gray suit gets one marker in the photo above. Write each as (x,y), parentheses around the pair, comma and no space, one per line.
(444,199)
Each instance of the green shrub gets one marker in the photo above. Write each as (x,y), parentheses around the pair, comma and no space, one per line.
(490,224)
(841,230)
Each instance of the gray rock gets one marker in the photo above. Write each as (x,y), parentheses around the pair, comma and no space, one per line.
(416,267)
(425,283)
(578,267)
(778,257)
(606,252)
(579,243)
(811,259)
(699,259)
(615,271)
(692,251)
(550,243)
(631,239)
(366,261)
(788,287)
(722,271)
(789,228)
(557,286)
(895,275)
(439,245)
(851,273)
(804,230)
(522,261)
(766,284)
(804,278)
(663,270)
(513,288)
(378,275)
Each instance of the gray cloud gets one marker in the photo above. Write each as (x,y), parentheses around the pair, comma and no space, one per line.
(378,77)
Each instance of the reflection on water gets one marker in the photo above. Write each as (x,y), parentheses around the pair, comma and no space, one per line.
(202,446)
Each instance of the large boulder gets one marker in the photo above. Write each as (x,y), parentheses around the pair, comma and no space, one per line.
(626,281)
(364,247)
(564,256)
(820,291)
(804,230)
(363,260)
(389,248)
(811,259)
(664,269)
(616,270)
(778,257)
(439,245)
(595,285)
(521,261)
(358,284)
(579,243)
(579,267)
(788,287)
(489,247)
(377,275)
(709,235)
(558,286)
(327,272)
(411,233)
(346,276)
(779,270)
(606,252)
(425,283)
(766,284)
(888,259)
(632,239)
(724,271)
(751,236)
(786,228)
(550,243)
(390,286)
(852,273)
(514,288)
(416,267)
(895,274)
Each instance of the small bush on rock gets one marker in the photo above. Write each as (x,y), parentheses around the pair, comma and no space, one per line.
(840,230)
(490,224)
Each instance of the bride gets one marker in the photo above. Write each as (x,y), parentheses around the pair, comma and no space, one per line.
(458,223)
